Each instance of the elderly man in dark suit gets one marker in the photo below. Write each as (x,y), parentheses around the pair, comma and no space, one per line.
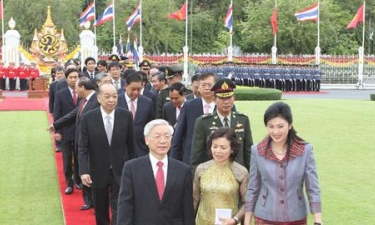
(182,140)
(106,142)
(141,108)
(156,189)
(86,91)
(65,101)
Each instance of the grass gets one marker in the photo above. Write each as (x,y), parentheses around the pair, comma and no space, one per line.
(342,132)
(28,180)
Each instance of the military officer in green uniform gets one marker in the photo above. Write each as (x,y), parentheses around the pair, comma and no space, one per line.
(222,117)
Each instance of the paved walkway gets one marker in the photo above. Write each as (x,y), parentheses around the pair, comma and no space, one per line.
(332,94)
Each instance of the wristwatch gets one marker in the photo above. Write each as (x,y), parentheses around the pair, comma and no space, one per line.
(236,219)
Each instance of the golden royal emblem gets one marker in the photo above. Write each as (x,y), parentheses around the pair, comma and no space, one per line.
(225,86)
(49,44)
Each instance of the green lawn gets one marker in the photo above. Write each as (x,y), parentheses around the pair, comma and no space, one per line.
(28,178)
(342,132)
(343,135)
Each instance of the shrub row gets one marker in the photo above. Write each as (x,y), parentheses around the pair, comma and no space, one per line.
(257,94)
(372,97)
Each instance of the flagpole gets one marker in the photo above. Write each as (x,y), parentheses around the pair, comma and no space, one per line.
(2,24)
(361,51)
(94,21)
(274,48)
(230,48)
(186,48)
(317,49)
(114,49)
(140,48)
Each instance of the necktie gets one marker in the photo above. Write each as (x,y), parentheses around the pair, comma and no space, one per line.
(226,122)
(92,76)
(82,106)
(160,179)
(75,97)
(108,129)
(132,108)
(207,108)
(116,84)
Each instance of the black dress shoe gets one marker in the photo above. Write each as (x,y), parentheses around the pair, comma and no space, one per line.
(58,150)
(68,190)
(79,186)
(86,207)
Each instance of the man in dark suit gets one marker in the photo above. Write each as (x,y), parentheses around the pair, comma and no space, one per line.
(172,109)
(181,143)
(115,72)
(156,189)
(86,91)
(90,72)
(59,74)
(194,87)
(106,142)
(141,108)
(65,101)
(222,117)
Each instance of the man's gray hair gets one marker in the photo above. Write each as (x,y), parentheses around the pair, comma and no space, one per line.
(153,123)
(99,77)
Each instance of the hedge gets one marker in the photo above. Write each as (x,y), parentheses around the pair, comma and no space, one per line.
(257,94)
(372,97)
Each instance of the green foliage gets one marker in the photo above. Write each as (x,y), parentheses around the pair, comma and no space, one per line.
(257,94)
(206,33)
(372,97)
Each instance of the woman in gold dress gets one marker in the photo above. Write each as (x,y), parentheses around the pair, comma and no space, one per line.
(220,183)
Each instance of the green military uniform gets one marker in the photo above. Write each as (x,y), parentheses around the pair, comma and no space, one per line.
(206,124)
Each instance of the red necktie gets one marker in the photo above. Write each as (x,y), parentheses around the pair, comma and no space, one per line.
(160,179)
(75,97)
(82,106)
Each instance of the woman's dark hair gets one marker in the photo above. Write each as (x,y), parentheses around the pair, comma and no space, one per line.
(283,110)
(230,135)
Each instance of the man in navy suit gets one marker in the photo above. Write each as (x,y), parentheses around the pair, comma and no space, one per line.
(106,142)
(90,72)
(181,143)
(141,108)
(65,101)
(115,72)
(86,91)
(156,189)
(172,109)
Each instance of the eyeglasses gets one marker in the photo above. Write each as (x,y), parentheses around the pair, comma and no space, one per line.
(161,137)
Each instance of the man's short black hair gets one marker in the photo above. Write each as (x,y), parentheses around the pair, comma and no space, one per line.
(133,77)
(89,59)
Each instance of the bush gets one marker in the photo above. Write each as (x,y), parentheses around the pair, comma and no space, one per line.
(372,97)
(257,94)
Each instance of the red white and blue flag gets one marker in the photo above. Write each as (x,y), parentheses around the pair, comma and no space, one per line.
(228,21)
(134,17)
(88,14)
(107,15)
(310,13)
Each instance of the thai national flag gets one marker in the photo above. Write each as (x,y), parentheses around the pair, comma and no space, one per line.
(88,14)
(107,15)
(228,22)
(135,53)
(134,17)
(310,13)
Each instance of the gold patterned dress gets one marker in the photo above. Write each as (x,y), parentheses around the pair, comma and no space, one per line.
(218,186)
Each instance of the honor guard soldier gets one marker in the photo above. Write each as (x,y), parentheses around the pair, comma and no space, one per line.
(113,57)
(145,66)
(222,117)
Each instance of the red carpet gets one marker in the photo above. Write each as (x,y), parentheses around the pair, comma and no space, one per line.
(71,204)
